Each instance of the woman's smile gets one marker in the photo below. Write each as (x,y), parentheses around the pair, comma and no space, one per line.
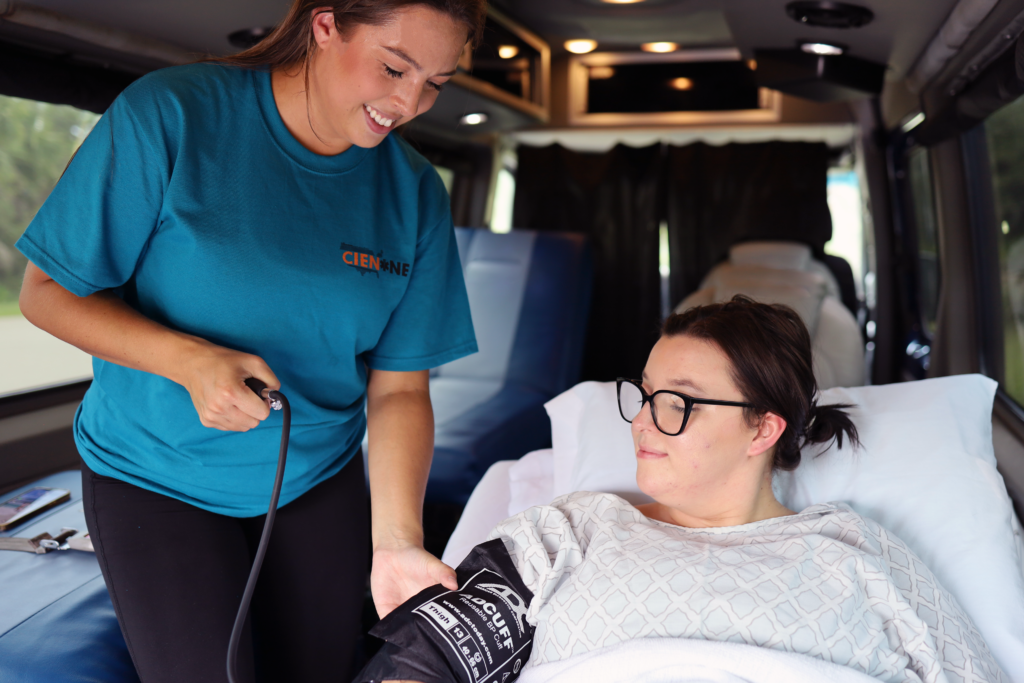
(379,122)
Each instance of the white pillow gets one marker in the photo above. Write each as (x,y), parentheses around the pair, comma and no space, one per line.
(605,460)
(926,472)
(565,412)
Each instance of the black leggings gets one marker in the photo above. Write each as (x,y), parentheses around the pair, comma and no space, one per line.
(176,575)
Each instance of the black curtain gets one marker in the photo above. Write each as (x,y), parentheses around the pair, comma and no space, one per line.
(616,199)
(719,196)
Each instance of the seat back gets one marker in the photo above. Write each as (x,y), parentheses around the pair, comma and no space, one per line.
(529,294)
(785,273)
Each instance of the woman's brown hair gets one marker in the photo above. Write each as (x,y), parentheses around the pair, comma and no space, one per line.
(770,352)
(291,43)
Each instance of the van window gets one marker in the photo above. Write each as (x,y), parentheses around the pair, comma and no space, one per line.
(447,177)
(845,205)
(503,193)
(36,141)
(1005,132)
(504,196)
(919,175)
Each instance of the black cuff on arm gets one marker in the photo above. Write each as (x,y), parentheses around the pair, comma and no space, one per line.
(477,634)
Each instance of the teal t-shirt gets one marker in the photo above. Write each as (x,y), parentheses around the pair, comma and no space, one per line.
(193,201)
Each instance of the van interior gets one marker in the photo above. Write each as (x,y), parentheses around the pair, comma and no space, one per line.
(608,162)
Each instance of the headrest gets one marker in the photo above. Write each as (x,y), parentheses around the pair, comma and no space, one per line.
(807,304)
(800,290)
(778,255)
(731,275)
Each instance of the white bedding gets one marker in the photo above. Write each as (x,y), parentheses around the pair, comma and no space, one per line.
(927,473)
(826,583)
(661,660)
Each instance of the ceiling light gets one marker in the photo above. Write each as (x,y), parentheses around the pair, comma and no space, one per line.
(659,47)
(600,73)
(474,119)
(507,51)
(622,2)
(681,84)
(824,49)
(581,46)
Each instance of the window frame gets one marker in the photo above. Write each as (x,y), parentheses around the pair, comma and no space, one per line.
(988,292)
(915,225)
(917,342)
(31,400)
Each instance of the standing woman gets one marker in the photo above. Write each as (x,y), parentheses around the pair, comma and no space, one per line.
(253,217)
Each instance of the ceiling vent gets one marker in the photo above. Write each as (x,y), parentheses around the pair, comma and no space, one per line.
(249,37)
(818,77)
(826,14)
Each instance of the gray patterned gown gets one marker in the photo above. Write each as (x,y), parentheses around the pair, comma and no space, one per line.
(825,582)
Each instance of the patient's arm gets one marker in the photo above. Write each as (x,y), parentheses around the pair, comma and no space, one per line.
(459,636)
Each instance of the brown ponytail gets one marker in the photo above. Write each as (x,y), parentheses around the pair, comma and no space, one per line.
(770,352)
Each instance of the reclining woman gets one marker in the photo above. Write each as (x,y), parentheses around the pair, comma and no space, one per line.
(726,399)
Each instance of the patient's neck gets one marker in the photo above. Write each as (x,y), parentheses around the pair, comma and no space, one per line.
(756,508)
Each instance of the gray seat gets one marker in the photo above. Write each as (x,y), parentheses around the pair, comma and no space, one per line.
(529,293)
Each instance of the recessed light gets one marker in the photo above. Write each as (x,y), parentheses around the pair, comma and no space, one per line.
(659,47)
(581,46)
(474,119)
(681,83)
(621,2)
(600,73)
(824,49)
(507,51)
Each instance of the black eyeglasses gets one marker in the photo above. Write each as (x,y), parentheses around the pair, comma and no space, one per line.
(670,409)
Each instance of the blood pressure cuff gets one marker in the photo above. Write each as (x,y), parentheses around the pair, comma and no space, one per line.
(477,634)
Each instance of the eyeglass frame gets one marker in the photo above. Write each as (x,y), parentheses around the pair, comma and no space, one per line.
(688,401)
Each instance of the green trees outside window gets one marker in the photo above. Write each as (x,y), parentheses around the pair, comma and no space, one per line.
(36,141)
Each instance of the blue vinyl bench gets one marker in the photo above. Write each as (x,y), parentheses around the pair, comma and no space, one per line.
(529,293)
(56,621)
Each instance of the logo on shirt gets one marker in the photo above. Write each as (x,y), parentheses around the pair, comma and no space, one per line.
(365,261)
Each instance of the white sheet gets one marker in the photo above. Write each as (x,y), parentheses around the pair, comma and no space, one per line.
(487,505)
(661,660)
(507,488)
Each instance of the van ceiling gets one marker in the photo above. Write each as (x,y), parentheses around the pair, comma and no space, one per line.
(900,31)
